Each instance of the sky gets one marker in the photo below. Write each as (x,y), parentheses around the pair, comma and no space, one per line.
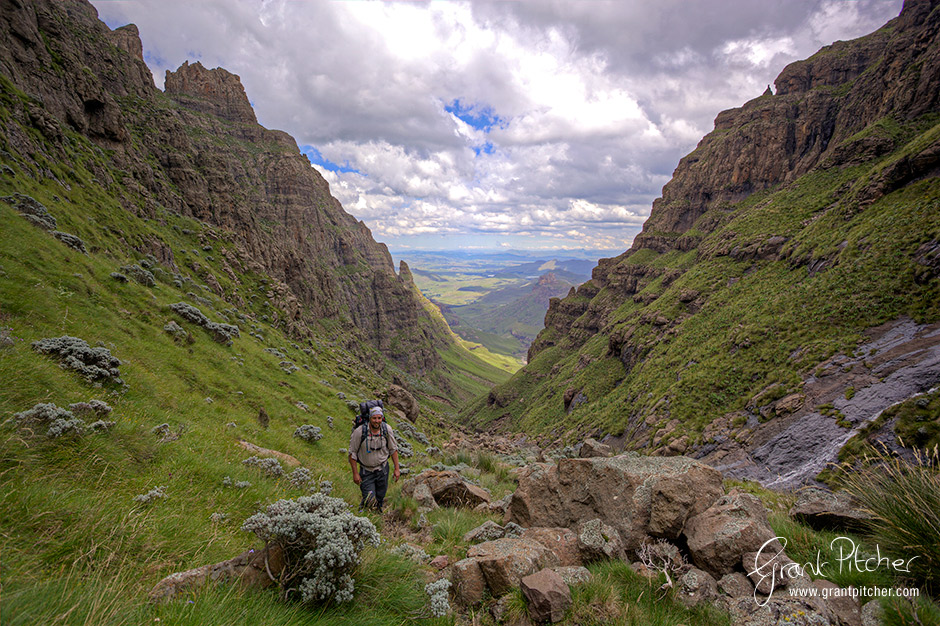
(510,124)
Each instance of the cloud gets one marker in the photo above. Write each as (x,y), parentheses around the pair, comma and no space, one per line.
(546,122)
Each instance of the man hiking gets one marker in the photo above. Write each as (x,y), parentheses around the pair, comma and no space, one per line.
(370,447)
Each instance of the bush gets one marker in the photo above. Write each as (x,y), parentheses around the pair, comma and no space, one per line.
(271,467)
(139,274)
(299,477)
(904,499)
(70,240)
(32,210)
(223,333)
(437,591)
(321,541)
(60,422)
(156,493)
(93,364)
(309,432)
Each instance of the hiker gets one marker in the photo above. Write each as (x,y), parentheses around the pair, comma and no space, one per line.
(370,447)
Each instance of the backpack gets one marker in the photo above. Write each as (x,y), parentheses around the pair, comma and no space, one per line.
(363,417)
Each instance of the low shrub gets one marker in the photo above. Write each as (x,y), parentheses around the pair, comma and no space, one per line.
(94,364)
(223,333)
(139,275)
(59,422)
(309,433)
(270,467)
(157,493)
(321,541)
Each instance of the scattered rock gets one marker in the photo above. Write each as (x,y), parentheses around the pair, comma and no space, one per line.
(448,489)
(440,562)
(638,496)
(827,510)
(488,531)
(574,574)
(736,524)
(736,585)
(468,582)
(286,458)
(563,543)
(504,562)
(547,595)
(844,607)
(592,448)
(695,588)
(249,569)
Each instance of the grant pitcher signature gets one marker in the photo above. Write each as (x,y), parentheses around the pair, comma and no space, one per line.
(778,567)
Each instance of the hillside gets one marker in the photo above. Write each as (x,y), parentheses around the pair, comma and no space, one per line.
(508,319)
(87,134)
(800,238)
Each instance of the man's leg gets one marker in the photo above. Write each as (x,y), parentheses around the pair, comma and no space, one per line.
(368,488)
(381,485)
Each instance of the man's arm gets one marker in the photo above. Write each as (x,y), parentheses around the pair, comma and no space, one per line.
(395,461)
(354,442)
(355,469)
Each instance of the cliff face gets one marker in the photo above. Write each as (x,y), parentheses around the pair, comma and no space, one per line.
(803,219)
(198,151)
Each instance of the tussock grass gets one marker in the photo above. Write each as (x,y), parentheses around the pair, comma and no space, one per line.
(904,499)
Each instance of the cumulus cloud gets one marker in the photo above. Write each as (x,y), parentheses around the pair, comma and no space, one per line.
(533,123)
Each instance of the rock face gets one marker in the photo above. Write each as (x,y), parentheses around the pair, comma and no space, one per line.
(640,497)
(199,152)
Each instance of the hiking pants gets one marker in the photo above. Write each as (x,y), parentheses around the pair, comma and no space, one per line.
(373,487)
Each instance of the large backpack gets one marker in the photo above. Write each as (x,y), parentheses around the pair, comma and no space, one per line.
(363,417)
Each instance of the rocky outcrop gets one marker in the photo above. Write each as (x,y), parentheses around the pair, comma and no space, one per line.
(640,497)
(215,92)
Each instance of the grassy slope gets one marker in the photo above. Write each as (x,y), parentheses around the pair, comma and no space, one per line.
(762,321)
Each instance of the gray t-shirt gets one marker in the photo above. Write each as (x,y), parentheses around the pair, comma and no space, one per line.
(372,453)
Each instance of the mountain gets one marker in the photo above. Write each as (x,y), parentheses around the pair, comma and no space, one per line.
(271,242)
(800,237)
(509,317)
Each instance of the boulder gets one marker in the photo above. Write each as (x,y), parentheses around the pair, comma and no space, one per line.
(440,562)
(780,609)
(249,569)
(574,574)
(487,531)
(736,524)
(422,494)
(468,582)
(448,488)
(598,541)
(547,595)
(504,562)
(400,398)
(736,585)
(626,492)
(695,588)
(827,510)
(562,542)
(592,448)
(846,608)
(872,613)
(497,507)
(768,570)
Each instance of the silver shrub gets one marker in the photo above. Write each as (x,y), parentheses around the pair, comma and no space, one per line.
(156,493)
(271,467)
(299,477)
(309,432)
(93,363)
(321,541)
(437,591)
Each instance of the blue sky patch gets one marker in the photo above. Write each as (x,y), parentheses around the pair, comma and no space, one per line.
(318,159)
(480,117)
